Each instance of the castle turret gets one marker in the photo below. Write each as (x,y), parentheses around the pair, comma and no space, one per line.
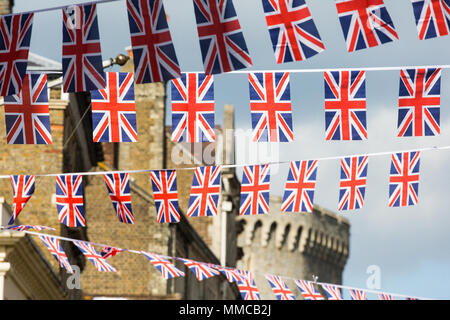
(296,245)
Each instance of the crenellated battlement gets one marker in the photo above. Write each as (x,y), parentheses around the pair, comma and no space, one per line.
(296,244)
(321,234)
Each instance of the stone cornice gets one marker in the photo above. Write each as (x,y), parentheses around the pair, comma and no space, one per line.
(28,268)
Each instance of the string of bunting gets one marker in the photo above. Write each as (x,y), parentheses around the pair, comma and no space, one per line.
(193,107)
(244,279)
(255,188)
(223,50)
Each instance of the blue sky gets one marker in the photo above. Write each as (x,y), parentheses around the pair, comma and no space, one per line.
(408,244)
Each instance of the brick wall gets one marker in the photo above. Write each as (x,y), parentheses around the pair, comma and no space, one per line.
(35,159)
(136,276)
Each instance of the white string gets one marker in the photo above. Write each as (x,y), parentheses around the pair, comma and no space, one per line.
(444,66)
(2,228)
(371,291)
(394,68)
(60,7)
(374,154)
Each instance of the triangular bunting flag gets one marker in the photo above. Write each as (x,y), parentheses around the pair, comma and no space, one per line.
(270,106)
(345,105)
(300,187)
(247,286)
(118,185)
(292,30)
(81,51)
(279,288)
(332,292)
(113,109)
(201,270)
(221,39)
(167,268)
(431,18)
(27,115)
(365,24)
(69,200)
(419,102)
(352,186)
(205,192)
(153,51)
(15,36)
(93,256)
(54,246)
(193,108)
(404,179)
(23,189)
(109,252)
(165,192)
(255,190)
(358,294)
(29,227)
(308,290)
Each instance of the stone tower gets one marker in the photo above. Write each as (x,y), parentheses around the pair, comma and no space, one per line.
(295,245)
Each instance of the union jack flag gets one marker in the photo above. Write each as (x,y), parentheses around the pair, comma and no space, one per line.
(255,189)
(385,296)
(232,275)
(419,102)
(358,294)
(109,252)
(27,114)
(221,39)
(167,269)
(308,291)
(432,18)
(270,105)
(204,192)
(300,187)
(164,184)
(113,109)
(28,227)
(81,54)
(69,200)
(279,288)
(292,30)
(353,182)
(345,105)
(15,36)
(332,292)
(404,179)
(118,185)
(247,286)
(153,51)
(201,270)
(193,108)
(54,246)
(23,189)
(365,23)
(93,256)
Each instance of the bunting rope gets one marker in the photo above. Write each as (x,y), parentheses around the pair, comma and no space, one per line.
(393,68)
(373,154)
(321,70)
(3,228)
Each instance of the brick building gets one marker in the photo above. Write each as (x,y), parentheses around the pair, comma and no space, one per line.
(225,239)
(72,150)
